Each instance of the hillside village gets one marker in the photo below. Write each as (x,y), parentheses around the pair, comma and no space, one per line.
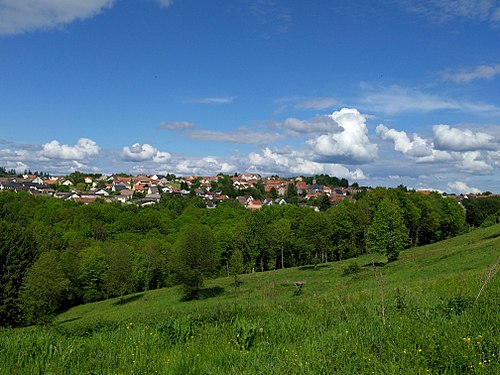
(144,190)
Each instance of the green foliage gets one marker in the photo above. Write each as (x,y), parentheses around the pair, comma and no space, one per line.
(351,269)
(478,209)
(195,258)
(334,327)
(274,237)
(119,276)
(491,219)
(44,289)
(17,253)
(92,273)
(387,234)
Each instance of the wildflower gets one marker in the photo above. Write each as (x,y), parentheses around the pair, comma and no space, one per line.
(404,351)
(467,339)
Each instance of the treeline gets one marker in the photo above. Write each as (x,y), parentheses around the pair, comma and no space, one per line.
(55,254)
(482,211)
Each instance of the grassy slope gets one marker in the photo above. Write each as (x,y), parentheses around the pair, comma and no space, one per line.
(417,315)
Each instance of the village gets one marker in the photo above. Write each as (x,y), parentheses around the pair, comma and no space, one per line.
(144,190)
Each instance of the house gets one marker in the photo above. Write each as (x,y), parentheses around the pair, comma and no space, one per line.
(15,186)
(126,181)
(146,202)
(301,187)
(37,180)
(67,183)
(86,199)
(127,193)
(153,193)
(254,204)
(50,182)
(118,187)
(102,193)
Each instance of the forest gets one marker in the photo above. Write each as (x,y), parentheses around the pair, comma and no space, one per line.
(55,254)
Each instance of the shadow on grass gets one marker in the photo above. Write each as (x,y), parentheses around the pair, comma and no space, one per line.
(69,320)
(314,268)
(202,293)
(125,300)
(376,264)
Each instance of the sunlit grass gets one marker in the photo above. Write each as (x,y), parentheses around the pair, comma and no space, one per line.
(433,323)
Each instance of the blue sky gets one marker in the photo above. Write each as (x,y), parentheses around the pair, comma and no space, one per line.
(383,92)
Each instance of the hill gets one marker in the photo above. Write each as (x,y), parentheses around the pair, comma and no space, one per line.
(432,311)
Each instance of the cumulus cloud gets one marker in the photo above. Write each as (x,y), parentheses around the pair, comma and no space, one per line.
(83,149)
(472,163)
(203,166)
(176,125)
(350,145)
(317,103)
(414,146)
(144,152)
(18,16)
(460,187)
(293,163)
(466,75)
(448,138)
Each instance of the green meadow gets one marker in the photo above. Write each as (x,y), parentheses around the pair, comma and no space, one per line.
(434,311)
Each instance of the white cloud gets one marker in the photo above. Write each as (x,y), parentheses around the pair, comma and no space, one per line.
(460,187)
(19,16)
(323,123)
(472,163)
(395,99)
(466,75)
(203,166)
(317,103)
(350,145)
(416,146)
(242,136)
(176,125)
(448,138)
(144,152)
(83,149)
(292,163)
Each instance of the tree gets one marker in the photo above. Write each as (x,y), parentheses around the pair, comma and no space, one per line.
(44,289)
(279,233)
(343,238)
(92,270)
(236,265)
(387,233)
(17,254)
(119,275)
(195,258)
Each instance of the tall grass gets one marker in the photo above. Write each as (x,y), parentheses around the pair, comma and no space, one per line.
(433,322)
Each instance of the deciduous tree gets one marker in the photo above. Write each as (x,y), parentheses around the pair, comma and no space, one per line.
(387,234)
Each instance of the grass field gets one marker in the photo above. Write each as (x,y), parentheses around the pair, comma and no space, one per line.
(419,315)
